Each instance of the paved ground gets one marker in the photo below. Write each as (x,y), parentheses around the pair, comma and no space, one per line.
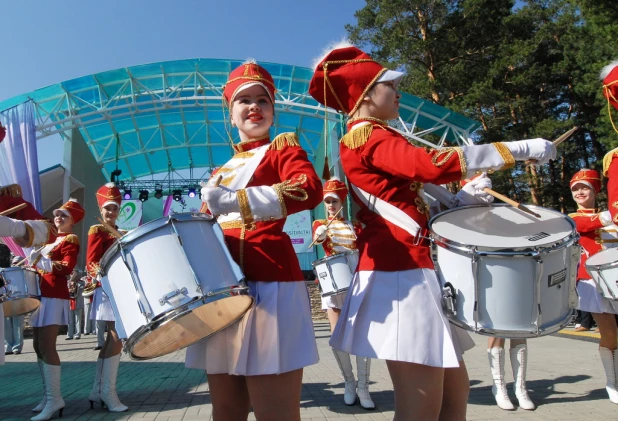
(565,379)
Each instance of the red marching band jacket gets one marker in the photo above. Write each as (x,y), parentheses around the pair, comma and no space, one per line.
(64,258)
(99,241)
(389,167)
(261,248)
(594,237)
(341,235)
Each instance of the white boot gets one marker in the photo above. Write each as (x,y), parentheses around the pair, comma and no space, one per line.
(343,359)
(496,364)
(10,227)
(54,400)
(610,362)
(96,387)
(108,385)
(519,363)
(41,405)
(363,368)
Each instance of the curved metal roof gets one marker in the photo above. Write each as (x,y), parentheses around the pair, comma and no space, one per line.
(170,115)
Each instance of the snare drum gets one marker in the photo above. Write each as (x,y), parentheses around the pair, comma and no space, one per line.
(22,293)
(505,272)
(603,267)
(335,273)
(172,282)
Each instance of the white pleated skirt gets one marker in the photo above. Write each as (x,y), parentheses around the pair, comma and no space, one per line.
(334,301)
(398,316)
(101,308)
(51,311)
(275,336)
(591,300)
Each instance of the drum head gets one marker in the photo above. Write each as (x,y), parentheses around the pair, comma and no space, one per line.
(21,306)
(183,328)
(501,226)
(603,257)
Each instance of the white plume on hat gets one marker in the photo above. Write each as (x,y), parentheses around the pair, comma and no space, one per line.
(250,60)
(605,71)
(110,185)
(335,45)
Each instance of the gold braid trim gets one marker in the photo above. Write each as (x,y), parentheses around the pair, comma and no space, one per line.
(445,154)
(292,191)
(71,238)
(607,160)
(94,229)
(283,140)
(30,233)
(505,153)
(245,207)
(357,137)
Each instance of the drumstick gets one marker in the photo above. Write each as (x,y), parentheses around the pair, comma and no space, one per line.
(13,209)
(218,180)
(509,201)
(329,222)
(111,229)
(25,259)
(558,141)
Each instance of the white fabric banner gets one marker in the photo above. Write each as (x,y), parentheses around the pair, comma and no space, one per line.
(298,227)
(130,216)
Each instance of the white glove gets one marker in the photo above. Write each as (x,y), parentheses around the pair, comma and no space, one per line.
(473,194)
(40,261)
(320,233)
(219,200)
(606,218)
(10,227)
(540,150)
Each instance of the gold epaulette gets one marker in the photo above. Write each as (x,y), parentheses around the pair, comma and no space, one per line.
(94,229)
(283,140)
(607,160)
(322,221)
(357,137)
(72,238)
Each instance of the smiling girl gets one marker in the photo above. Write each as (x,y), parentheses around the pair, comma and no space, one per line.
(258,362)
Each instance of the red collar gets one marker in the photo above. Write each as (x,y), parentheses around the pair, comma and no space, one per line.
(587,211)
(247,145)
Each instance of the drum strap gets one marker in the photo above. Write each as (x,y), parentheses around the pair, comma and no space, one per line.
(391,213)
(244,174)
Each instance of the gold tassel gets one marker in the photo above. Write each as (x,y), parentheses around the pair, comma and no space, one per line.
(357,137)
(283,140)
(326,169)
(607,160)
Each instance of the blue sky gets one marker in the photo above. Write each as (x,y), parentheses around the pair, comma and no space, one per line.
(47,42)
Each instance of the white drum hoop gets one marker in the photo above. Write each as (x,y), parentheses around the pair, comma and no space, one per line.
(158,320)
(478,252)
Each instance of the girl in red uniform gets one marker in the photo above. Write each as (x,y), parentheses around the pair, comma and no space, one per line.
(54,262)
(259,360)
(393,308)
(597,232)
(99,240)
(340,236)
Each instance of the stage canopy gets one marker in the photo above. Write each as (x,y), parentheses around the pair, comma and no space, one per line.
(156,118)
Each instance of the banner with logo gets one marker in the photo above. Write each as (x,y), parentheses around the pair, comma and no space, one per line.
(130,215)
(298,227)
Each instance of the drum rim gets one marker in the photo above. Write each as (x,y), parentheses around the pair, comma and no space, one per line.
(171,315)
(333,256)
(152,226)
(461,248)
(15,269)
(602,265)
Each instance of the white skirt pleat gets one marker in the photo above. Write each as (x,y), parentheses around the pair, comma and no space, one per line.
(275,336)
(591,300)
(101,308)
(52,311)
(397,316)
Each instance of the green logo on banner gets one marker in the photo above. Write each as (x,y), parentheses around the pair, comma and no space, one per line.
(127,212)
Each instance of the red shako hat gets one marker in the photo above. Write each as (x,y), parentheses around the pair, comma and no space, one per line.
(248,74)
(108,193)
(335,188)
(72,209)
(591,178)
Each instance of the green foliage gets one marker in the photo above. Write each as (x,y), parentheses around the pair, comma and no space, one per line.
(524,71)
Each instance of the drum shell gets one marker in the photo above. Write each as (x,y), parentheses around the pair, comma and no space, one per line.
(193,265)
(605,275)
(335,273)
(518,293)
(22,284)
